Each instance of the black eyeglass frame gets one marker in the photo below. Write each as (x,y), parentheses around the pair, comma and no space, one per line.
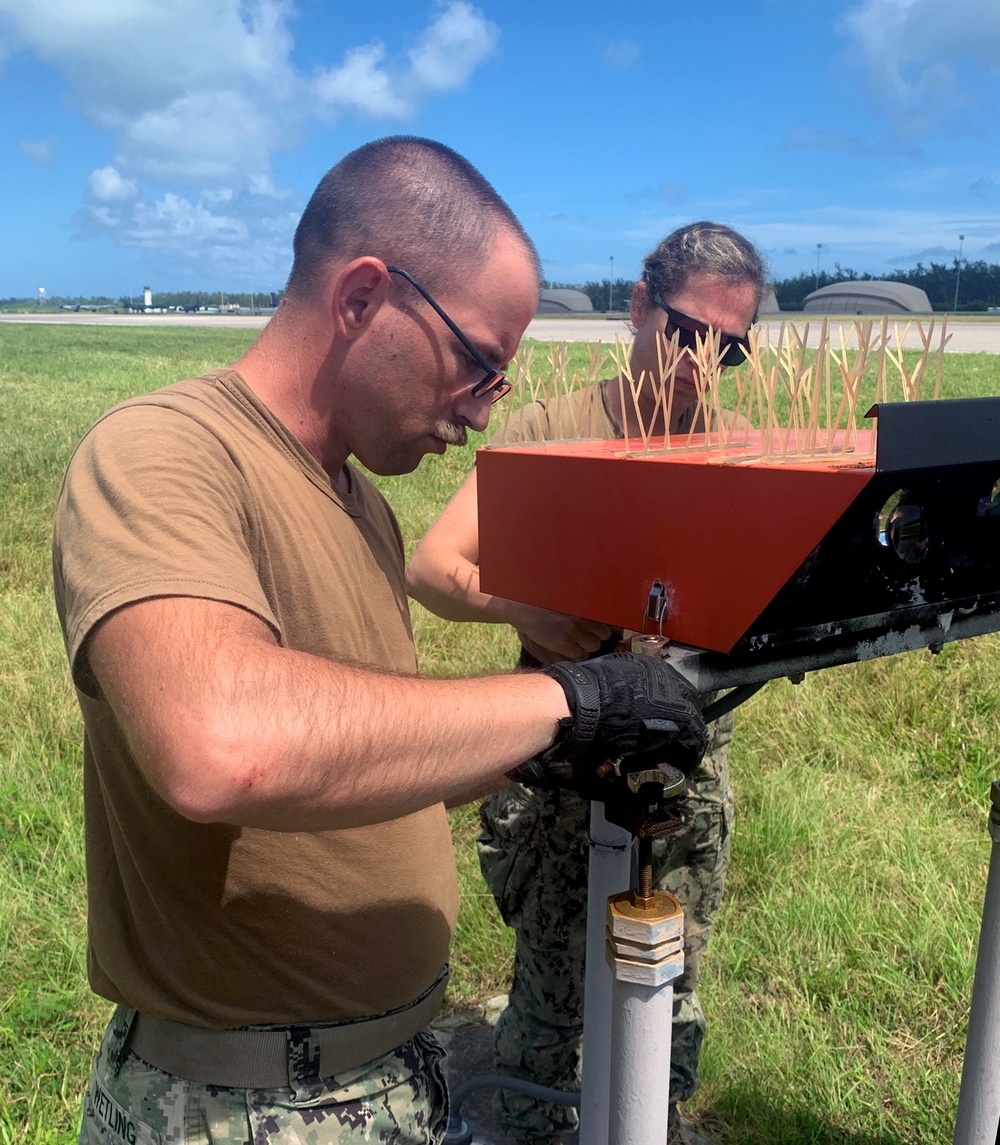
(733,348)
(494,382)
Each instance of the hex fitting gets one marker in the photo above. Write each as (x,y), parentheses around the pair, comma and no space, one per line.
(645,943)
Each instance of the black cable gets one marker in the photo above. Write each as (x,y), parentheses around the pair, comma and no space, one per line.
(732,699)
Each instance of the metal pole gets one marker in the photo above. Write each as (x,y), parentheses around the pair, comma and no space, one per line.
(819,247)
(611,283)
(609,871)
(958,279)
(646,954)
(978,1120)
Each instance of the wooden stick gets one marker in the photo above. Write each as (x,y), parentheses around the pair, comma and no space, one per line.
(621,396)
(673,362)
(666,360)
(593,377)
(944,341)
(827,363)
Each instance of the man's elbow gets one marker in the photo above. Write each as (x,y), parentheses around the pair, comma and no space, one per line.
(416,582)
(207,776)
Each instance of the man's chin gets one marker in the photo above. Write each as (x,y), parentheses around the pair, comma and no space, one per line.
(395,466)
(407,461)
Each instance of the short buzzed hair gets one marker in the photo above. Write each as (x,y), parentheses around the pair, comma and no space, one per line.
(708,247)
(411,202)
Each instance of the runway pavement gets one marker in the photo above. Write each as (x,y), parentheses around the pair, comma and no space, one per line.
(964,336)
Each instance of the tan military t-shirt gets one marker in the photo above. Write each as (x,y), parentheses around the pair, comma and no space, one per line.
(198,490)
(577,416)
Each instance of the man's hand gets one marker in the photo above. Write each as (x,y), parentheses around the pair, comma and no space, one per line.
(627,709)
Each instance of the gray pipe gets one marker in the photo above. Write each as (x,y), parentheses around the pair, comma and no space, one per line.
(978,1120)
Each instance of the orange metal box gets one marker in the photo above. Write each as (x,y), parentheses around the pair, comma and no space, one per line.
(589,528)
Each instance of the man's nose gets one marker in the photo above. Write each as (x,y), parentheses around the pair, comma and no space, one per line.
(474,412)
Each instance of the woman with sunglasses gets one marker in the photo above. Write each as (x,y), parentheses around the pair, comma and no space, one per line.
(702,279)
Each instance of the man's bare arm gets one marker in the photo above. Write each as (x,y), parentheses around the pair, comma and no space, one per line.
(444,576)
(227,726)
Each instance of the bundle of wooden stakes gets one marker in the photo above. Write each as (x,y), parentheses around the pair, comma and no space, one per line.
(789,401)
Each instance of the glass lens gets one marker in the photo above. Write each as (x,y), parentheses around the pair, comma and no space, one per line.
(734,354)
(493,386)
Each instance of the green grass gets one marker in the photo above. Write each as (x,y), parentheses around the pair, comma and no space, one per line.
(839,975)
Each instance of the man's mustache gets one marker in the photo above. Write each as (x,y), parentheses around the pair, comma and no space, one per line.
(451,433)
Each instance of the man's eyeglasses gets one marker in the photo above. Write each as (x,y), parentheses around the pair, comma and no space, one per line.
(733,348)
(494,383)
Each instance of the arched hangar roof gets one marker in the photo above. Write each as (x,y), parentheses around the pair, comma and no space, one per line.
(868,296)
(563,301)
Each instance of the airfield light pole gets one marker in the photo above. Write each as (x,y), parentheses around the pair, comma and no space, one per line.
(958,270)
(611,283)
(819,247)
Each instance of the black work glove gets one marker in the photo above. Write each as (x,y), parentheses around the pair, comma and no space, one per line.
(638,710)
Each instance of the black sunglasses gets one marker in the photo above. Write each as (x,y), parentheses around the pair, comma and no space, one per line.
(494,383)
(733,348)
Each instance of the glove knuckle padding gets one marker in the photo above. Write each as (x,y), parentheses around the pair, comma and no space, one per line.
(623,706)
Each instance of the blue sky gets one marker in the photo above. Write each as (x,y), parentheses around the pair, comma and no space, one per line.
(173,143)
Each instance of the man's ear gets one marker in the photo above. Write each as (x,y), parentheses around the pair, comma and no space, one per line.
(360,288)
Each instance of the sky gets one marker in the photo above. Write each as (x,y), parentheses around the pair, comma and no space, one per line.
(174,143)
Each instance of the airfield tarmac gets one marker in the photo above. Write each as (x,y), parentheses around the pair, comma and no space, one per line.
(966,335)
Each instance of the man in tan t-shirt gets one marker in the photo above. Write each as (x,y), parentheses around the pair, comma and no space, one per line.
(270,879)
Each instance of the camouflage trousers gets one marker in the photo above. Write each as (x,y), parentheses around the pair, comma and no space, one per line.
(399,1098)
(533,851)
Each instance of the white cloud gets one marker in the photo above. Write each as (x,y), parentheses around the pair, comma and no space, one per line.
(923,60)
(871,238)
(621,53)
(209,136)
(212,236)
(199,95)
(674,193)
(447,52)
(174,221)
(40,151)
(107,186)
(452,47)
(840,143)
(361,83)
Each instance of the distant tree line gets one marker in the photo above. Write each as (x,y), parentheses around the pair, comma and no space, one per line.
(162,299)
(206,299)
(979,285)
(56,300)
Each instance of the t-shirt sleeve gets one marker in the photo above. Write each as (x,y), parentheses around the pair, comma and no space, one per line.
(152,505)
(577,416)
(525,424)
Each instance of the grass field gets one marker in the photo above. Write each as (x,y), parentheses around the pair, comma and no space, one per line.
(838,979)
